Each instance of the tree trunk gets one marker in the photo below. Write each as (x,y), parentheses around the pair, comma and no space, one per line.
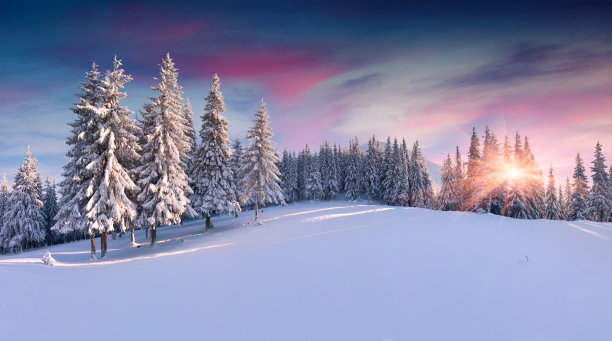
(147,233)
(92,236)
(132,237)
(103,243)
(153,235)
(114,233)
(208,223)
(256,208)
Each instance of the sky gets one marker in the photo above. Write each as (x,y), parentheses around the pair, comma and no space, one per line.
(327,70)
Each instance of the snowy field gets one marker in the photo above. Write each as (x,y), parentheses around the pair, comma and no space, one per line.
(323,271)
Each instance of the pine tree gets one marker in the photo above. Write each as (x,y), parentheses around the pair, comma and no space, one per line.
(599,199)
(372,171)
(552,207)
(328,172)
(567,204)
(579,192)
(162,179)
(474,173)
(261,176)
(235,162)
(4,197)
(421,191)
(73,188)
(353,179)
(24,223)
(313,183)
(214,187)
(395,177)
(447,196)
(522,196)
(190,134)
(113,151)
(561,203)
(50,209)
(491,192)
(459,180)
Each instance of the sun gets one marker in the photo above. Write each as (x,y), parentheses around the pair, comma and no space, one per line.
(512,173)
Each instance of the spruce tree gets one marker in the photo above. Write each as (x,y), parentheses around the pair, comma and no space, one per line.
(561,204)
(421,191)
(552,208)
(459,177)
(372,171)
(24,221)
(599,199)
(328,172)
(261,176)
(567,204)
(491,191)
(190,135)
(235,161)
(447,196)
(353,178)
(4,197)
(579,192)
(313,182)
(71,216)
(50,209)
(473,174)
(114,149)
(214,188)
(162,180)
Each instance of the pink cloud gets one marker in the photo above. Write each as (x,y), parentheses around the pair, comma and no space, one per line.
(283,71)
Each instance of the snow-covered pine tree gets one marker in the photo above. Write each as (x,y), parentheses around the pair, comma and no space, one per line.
(395,178)
(235,162)
(372,171)
(71,216)
(214,187)
(261,176)
(599,199)
(4,197)
(339,160)
(24,223)
(304,160)
(561,203)
(473,174)
(404,186)
(459,180)
(292,178)
(50,210)
(353,180)
(113,152)
(551,202)
(386,168)
(191,139)
(518,203)
(491,198)
(567,204)
(328,172)
(579,192)
(447,196)
(421,191)
(313,183)
(162,179)
(533,181)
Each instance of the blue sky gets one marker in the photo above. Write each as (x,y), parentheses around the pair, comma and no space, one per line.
(331,70)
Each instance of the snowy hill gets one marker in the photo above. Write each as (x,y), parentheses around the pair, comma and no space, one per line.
(323,271)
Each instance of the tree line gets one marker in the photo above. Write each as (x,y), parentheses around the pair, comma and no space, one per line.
(125,173)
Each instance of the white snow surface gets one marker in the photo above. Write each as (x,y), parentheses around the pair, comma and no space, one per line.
(323,271)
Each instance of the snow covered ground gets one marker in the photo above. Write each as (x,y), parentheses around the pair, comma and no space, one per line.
(323,271)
